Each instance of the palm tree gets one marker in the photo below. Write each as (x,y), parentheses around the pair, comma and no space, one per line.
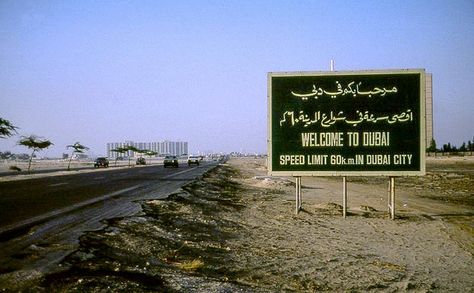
(151,153)
(120,150)
(145,152)
(126,149)
(6,128)
(35,143)
(142,152)
(77,148)
(133,149)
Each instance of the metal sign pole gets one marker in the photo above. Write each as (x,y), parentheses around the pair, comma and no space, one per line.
(391,204)
(344,196)
(388,195)
(298,194)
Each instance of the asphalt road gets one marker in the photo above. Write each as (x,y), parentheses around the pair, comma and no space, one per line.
(54,211)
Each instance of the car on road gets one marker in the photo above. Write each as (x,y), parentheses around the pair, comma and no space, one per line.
(101,162)
(141,161)
(193,160)
(171,161)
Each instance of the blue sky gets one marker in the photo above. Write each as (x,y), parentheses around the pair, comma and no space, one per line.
(103,71)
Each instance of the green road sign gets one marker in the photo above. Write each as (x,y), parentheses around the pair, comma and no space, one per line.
(357,123)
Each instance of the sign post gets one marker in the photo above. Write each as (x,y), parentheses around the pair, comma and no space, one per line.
(344,196)
(391,196)
(298,194)
(346,123)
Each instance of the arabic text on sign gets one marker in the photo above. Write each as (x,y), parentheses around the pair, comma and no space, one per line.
(327,120)
(352,89)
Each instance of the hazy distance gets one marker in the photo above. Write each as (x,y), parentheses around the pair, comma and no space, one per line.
(196,71)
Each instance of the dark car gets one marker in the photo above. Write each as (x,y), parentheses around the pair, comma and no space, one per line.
(171,161)
(141,161)
(101,162)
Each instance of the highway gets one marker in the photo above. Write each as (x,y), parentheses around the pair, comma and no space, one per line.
(42,213)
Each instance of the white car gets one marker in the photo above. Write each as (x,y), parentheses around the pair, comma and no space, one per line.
(193,160)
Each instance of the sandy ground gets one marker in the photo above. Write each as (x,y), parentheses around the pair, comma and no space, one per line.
(429,246)
(236,230)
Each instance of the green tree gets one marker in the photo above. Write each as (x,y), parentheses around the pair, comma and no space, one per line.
(7,129)
(6,155)
(120,150)
(142,152)
(126,149)
(132,149)
(34,143)
(76,148)
(432,147)
(454,148)
(151,153)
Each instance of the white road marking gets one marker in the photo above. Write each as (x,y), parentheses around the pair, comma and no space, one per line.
(58,184)
(174,174)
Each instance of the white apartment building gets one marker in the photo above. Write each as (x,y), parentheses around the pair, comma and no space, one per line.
(176,148)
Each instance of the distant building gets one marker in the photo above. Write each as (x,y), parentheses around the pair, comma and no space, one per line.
(77,156)
(176,148)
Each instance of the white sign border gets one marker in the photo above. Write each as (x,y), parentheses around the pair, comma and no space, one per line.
(422,167)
